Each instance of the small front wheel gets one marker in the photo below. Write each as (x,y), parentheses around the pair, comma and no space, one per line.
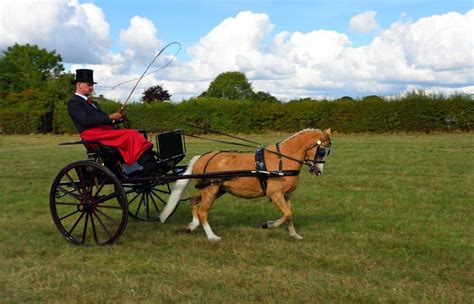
(88,204)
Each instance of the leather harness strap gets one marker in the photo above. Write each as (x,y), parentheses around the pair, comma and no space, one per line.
(260,171)
(259,167)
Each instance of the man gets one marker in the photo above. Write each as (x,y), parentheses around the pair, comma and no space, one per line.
(94,124)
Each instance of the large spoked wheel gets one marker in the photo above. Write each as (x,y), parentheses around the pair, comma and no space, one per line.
(147,200)
(88,204)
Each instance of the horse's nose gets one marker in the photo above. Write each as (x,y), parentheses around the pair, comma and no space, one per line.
(317,170)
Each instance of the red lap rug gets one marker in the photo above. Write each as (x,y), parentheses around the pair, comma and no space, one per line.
(130,143)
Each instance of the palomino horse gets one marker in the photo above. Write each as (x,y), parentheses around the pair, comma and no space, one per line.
(309,146)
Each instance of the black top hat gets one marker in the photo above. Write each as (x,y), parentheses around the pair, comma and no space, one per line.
(84,75)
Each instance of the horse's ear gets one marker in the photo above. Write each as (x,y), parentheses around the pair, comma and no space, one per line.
(327,132)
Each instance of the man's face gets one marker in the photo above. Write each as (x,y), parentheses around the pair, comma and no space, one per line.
(84,88)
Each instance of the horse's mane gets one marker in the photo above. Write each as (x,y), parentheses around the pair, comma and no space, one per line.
(299,133)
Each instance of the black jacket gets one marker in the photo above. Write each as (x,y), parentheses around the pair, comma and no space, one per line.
(84,115)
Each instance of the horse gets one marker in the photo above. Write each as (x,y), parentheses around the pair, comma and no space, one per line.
(306,147)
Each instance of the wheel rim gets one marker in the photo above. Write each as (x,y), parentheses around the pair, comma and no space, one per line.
(145,201)
(88,204)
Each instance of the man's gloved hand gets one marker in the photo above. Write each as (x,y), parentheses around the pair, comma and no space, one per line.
(115,116)
(122,112)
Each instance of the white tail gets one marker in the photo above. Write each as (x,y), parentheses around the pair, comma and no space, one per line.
(177,191)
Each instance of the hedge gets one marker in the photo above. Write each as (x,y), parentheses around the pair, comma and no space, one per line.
(21,122)
(413,113)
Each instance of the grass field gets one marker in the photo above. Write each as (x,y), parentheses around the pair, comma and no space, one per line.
(390,221)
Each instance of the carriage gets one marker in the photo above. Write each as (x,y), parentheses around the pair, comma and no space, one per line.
(91,200)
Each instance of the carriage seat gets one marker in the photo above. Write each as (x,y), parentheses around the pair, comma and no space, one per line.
(170,145)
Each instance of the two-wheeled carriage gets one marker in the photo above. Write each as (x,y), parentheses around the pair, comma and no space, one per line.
(91,200)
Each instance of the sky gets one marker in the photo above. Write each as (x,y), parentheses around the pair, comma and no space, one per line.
(290,49)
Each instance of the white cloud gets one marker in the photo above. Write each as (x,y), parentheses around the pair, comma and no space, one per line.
(434,53)
(323,63)
(140,40)
(364,23)
(232,45)
(78,32)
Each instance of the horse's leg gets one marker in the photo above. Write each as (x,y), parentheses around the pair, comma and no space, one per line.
(208,195)
(274,224)
(285,207)
(277,223)
(195,201)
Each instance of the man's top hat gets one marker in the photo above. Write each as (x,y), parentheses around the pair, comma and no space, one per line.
(84,75)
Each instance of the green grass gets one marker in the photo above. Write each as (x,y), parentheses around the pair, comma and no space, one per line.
(390,221)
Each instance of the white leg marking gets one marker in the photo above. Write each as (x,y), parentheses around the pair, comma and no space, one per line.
(210,234)
(194,224)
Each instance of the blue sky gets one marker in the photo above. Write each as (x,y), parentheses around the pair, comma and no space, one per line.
(290,49)
(188,20)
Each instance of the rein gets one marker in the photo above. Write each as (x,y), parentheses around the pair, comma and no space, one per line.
(307,162)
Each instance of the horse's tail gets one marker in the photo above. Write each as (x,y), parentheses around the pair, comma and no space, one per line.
(177,191)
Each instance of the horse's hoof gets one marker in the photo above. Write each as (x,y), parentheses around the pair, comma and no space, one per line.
(191,227)
(268,224)
(214,239)
(297,237)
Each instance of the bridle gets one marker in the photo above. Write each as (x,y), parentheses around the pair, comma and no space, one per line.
(320,154)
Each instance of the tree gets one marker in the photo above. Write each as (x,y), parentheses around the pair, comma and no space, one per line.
(32,79)
(230,85)
(155,93)
(264,97)
(27,66)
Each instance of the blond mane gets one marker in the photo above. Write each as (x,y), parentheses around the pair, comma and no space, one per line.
(299,133)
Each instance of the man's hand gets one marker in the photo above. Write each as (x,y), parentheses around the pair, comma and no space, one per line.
(115,116)
(122,112)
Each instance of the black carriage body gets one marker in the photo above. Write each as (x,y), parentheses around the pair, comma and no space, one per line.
(91,200)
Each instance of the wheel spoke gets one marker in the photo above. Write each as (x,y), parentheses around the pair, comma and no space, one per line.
(81,178)
(157,196)
(139,205)
(162,191)
(84,232)
(107,216)
(133,199)
(93,228)
(91,186)
(107,197)
(154,203)
(147,205)
(75,224)
(102,224)
(67,204)
(101,185)
(69,214)
(73,183)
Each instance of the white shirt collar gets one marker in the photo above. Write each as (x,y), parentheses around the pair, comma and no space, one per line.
(80,95)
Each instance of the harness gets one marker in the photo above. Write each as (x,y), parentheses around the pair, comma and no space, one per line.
(261,168)
(261,172)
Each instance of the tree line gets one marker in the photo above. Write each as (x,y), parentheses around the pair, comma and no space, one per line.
(34,89)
